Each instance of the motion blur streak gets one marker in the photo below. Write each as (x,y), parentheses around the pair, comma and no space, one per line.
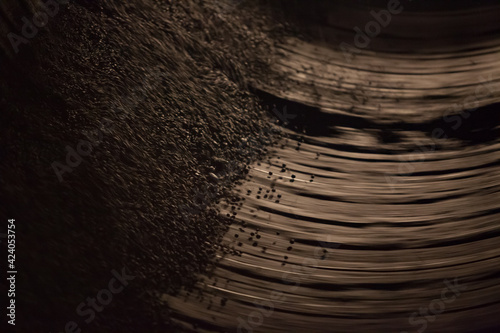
(430,79)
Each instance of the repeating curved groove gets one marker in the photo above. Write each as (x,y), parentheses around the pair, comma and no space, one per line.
(371,224)
(423,87)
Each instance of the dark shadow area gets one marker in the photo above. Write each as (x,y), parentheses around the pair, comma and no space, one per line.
(443,24)
(472,127)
